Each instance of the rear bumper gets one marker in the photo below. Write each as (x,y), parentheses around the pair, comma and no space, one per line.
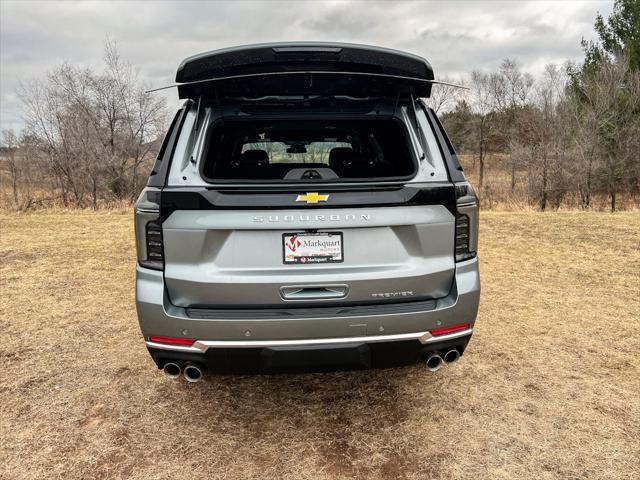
(353,338)
(311,358)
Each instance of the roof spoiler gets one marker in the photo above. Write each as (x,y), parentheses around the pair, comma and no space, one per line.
(282,68)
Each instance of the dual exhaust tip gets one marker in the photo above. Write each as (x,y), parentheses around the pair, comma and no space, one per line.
(192,372)
(435,362)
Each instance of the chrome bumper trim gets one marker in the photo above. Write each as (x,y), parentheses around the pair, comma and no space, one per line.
(201,346)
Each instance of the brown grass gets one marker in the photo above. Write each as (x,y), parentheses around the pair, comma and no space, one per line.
(549,387)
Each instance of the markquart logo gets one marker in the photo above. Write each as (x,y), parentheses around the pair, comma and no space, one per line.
(320,243)
(313,218)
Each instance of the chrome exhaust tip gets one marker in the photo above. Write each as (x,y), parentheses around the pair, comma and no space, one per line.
(172,370)
(452,356)
(433,362)
(193,373)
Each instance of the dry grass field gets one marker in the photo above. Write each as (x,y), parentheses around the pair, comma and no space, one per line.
(549,387)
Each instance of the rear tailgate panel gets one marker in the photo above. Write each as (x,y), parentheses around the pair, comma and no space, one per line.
(233,256)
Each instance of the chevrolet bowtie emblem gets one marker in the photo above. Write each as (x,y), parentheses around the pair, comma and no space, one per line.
(312,197)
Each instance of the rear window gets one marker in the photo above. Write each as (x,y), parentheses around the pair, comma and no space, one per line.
(306,149)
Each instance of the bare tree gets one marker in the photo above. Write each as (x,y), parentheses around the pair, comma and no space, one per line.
(10,155)
(552,152)
(135,118)
(444,97)
(511,90)
(583,145)
(517,85)
(483,106)
(95,128)
(46,117)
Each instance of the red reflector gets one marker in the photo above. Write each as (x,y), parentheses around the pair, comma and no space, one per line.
(448,330)
(185,342)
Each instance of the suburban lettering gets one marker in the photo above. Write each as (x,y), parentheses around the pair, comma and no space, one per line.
(335,217)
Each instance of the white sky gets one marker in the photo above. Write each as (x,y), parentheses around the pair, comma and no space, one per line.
(456,36)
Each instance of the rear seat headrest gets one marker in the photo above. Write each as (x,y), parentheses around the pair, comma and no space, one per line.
(338,156)
(343,157)
(256,158)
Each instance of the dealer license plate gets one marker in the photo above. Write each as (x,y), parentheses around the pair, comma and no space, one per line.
(307,248)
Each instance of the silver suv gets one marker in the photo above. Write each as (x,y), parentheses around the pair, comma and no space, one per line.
(306,212)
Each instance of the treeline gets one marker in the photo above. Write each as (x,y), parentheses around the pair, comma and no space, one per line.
(89,139)
(565,138)
(560,139)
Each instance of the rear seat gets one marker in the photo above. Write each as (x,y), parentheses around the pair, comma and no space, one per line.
(250,164)
(254,158)
(255,165)
(348,163)
(338,156)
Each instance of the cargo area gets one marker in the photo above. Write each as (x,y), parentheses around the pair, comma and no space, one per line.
(307,150)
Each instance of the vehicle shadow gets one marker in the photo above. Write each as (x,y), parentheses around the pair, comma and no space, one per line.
(322,402)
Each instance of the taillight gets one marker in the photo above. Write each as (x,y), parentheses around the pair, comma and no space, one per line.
(149,229)
(154,241)
(466,236)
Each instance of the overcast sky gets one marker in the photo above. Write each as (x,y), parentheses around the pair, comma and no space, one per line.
(456,36)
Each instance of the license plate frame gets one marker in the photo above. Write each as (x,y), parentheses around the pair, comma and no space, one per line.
(289,256)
